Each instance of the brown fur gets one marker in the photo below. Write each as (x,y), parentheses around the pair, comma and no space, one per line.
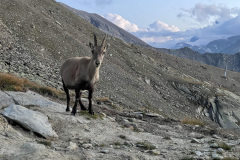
(82,73)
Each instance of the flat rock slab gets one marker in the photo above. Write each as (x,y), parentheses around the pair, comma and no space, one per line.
(31,98)
(5,100)
(32,120)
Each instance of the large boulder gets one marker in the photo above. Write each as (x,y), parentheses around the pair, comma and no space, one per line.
(32,120)
(31,98)
(5,100)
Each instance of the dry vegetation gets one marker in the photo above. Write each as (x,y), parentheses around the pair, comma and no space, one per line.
(192,121)
(10,82)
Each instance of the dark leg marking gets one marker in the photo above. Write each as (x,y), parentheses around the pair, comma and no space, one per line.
(68,97)
(80,102)
(90,92)
(74,110)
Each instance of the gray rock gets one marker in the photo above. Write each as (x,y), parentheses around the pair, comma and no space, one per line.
(215,136)
(5,100)
(153,115)
(214,145)
(155,152)
(194,140)
(31,98)
(220,150)
(32,147)
(87,145)
(105,151)
(216,156)
(147,80)
(32,120)
(72,146)
(198,153)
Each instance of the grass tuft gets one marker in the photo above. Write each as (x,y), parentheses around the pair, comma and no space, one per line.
(45,142)
(10,82)
(223,145)
(192,121)
(89,116)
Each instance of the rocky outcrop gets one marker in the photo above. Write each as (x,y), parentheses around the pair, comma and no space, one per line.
(31,98)
(15,104)
(31,120)
(214,59)
(220,105)
(5,100)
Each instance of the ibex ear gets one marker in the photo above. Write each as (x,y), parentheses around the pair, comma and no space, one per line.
(91,45)
(106,47)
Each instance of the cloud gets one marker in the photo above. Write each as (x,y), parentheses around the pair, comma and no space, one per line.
(168,38)
(156,39)
(214,22)
(157,32)
(160,34)
(121,22)
(159,26)
(209,14)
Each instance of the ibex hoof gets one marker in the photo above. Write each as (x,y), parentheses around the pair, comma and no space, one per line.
(67,110)
(73,113)
(92,113)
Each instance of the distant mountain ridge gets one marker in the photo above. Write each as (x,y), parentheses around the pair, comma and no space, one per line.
(108,27)
(231,61)
(230,45)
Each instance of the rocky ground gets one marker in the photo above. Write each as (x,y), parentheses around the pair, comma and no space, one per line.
(110,135)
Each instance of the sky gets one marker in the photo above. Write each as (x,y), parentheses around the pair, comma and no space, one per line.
(163,23)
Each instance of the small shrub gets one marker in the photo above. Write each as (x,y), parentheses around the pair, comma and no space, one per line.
(89,116)
(102,145)
(167,137)
(192,121)
(117,143)
(223,145)
(46,143)
(130,119)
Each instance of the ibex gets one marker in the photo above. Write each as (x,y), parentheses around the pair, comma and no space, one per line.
(82,73)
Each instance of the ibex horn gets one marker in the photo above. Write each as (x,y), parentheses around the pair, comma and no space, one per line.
(104,39)
(95,39)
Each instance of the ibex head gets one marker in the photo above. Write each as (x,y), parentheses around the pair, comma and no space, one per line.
(98,51)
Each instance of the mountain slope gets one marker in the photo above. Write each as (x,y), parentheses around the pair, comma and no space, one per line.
(108,27)
(38,35)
